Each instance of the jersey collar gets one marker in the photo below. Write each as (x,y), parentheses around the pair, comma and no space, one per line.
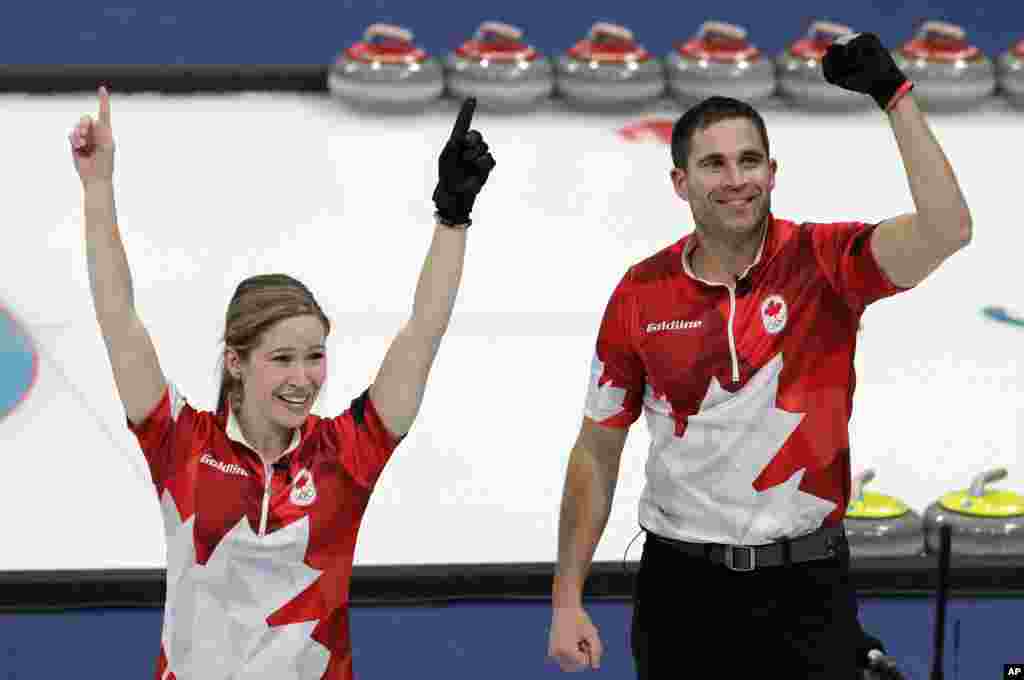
(693,240)
(234,433)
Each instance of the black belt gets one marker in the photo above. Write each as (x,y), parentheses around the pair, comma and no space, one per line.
(820,544)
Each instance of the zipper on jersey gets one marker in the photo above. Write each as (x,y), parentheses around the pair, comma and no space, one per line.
(269,475)
(732,335)
(732,318)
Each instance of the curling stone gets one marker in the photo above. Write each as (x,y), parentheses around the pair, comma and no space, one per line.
(718,60)
(881,526)
(949,73)
(499,69)
(983,521)
(385,71)
(801,79)
(1010,74)
(609,70)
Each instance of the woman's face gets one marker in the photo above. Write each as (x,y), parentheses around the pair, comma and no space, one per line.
(283,374)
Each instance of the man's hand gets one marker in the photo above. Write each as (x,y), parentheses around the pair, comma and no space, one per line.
(859,62)
(574,642)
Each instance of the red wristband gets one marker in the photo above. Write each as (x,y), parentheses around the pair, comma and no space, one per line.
(906,87)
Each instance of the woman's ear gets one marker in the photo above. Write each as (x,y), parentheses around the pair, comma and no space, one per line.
(233,363)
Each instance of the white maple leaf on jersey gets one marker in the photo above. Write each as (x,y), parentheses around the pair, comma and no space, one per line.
(726,446)
(603,401)
(215,619)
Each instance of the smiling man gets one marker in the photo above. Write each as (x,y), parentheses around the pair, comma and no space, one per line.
(723,170)
(737,344)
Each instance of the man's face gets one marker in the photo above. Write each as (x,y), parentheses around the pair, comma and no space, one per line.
(728,180)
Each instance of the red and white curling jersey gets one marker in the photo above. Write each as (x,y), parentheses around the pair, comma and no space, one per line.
(748,393)
(259,557)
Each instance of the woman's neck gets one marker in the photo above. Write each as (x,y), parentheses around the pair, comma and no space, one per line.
(269,440)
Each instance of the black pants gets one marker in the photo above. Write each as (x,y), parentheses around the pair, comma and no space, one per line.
(696,619)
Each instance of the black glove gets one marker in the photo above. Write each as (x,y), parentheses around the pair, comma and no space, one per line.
(463,168)
(860,62)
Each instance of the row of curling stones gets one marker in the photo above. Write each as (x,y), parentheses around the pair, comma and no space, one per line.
(949,73)
(387,71)
(609,69)
(984,522)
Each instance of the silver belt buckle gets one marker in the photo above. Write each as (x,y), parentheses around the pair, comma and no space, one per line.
(730,559)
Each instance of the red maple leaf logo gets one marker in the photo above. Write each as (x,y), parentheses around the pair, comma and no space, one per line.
(773,308)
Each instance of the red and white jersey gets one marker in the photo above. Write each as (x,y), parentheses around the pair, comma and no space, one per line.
(259,557)
(748,392)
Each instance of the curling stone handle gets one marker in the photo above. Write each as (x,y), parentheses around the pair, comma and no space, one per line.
(387,31)
(608,30)
(941,29)
(830,29)
(977,489)
(860,481)
(499,28)
(723,29)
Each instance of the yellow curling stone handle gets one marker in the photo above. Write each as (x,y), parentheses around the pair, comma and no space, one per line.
(869,505)
(979,502)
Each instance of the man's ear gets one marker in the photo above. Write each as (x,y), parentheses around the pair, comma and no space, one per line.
(678,177)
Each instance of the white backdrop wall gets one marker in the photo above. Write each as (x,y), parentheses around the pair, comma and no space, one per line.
(211,190)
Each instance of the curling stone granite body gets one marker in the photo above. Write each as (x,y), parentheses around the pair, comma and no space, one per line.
(801,79)
(1010,70)
(609,71)
(719,61)
(500,70)
(983,522)
(949,74)
(386,72)
(881,526)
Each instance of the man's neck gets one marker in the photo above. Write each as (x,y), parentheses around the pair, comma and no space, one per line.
(721,261)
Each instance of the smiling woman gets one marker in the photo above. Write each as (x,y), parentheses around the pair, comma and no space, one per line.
(18,364)
(262,500)
(274,358)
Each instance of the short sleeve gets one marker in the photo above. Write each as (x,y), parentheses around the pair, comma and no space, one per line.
(617,374)
(158,433)
(365,443)
(843,251)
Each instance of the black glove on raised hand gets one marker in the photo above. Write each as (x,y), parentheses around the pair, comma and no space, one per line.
(860,62)
(463,168)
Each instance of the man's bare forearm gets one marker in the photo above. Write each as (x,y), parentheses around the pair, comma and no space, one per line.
(586,506)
